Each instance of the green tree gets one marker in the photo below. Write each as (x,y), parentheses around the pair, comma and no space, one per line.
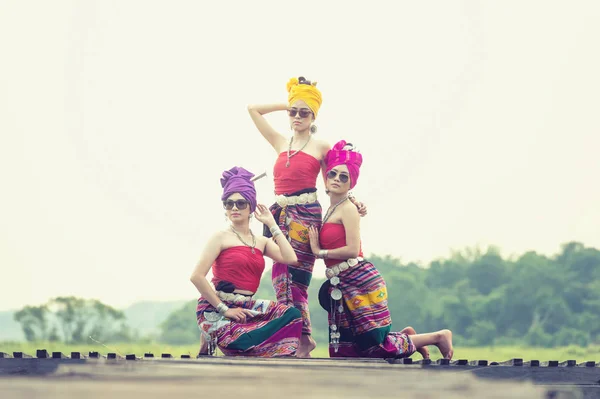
(181,328)
(72,320)
(34,322)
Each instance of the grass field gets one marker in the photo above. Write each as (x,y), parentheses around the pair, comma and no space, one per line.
(498,353)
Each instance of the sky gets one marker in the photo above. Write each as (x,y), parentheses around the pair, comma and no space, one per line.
(478,123)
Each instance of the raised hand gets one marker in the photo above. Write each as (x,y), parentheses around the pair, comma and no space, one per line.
(264,215)
(362,208)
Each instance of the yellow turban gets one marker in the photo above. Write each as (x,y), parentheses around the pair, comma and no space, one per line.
(305,92)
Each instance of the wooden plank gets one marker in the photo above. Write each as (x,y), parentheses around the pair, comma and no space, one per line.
(512,362)
(182,380)
(568,363)
(460,362)
(532,363)
(478,363)
(32,366)
(424,362)
(550,363)
(589,363)
(554,375)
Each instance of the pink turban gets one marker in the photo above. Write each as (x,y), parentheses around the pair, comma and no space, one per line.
(340,156)
(237,180)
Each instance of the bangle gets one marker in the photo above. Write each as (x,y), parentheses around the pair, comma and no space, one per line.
(323,254)
(222,308)
(274,228)
(276,232)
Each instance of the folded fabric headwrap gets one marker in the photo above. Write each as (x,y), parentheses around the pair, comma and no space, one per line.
(340,156)
(305,92)
(237,180)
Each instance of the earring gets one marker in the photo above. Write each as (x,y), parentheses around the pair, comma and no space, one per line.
(313,128)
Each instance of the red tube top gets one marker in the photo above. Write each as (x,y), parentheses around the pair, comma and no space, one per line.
(301,174)
(332,236)
(239,266)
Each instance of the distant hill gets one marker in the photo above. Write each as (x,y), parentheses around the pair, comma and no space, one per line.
(143,317)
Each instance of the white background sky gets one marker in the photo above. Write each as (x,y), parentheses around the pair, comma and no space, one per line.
(478,122)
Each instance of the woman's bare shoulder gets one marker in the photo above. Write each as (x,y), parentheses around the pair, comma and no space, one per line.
(348,208)
(322,144)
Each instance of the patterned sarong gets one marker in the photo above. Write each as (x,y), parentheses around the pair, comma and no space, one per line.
(291,282)
(365,322)
(275,330)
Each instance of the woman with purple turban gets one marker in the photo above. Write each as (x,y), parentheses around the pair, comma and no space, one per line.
(228,316)
(355,294)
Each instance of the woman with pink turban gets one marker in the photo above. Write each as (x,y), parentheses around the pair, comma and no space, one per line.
(355,294)
(228,316)
(299,161)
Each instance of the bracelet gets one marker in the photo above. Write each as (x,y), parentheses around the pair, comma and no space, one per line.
(276,232)
(323,254)
(222,308)
(274,228)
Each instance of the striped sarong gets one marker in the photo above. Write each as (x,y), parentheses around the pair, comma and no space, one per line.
(291,282)
(274,332)
(365,322)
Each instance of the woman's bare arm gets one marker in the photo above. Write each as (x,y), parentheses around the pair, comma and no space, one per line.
(198,277)
(281,251)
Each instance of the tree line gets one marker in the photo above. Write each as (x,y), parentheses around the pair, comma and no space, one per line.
(483,298)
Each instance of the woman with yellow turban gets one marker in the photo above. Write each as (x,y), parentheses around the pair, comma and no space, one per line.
(299,161)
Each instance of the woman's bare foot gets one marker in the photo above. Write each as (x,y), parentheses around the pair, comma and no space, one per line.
(444,343)
(424,351)
(307,345)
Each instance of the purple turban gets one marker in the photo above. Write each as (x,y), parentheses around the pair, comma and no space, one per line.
(237,180)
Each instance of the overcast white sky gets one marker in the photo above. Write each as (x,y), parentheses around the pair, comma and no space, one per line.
(478,122)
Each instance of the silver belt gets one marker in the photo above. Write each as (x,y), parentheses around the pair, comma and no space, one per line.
(301,199)
(334,270)
(233,297)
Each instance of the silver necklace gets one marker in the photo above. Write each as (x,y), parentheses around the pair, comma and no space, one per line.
(332,209)
(244,242)
(287,165)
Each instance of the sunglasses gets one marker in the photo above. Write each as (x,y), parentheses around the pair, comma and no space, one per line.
(303,112)
(343,177)
(239,204)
